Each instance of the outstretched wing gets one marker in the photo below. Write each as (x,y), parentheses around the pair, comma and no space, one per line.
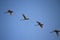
(24,16)
(57,33)
(41,25)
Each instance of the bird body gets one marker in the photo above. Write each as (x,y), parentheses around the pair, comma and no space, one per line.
(40,24)
(56,31)
(25,18)
(9,11)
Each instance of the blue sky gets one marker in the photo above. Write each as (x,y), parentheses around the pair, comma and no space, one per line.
(45,11)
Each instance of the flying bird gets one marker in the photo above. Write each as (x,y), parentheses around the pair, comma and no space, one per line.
(10,12)
(25,18)
(56,31)
(40,24)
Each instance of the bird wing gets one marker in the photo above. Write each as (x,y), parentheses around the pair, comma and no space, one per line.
(57,33)
(24,16)
(41,25)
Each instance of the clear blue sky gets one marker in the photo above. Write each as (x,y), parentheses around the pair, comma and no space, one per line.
(45,11)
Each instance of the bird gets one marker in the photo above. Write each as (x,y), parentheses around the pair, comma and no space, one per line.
(25,18)
(56,31)
(10,12)
(40,24)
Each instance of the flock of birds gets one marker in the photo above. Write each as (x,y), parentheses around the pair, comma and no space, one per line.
(38,23)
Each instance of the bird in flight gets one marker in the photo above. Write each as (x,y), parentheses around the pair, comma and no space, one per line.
(10,12)
(40,24)
(56,31)
(25,18)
